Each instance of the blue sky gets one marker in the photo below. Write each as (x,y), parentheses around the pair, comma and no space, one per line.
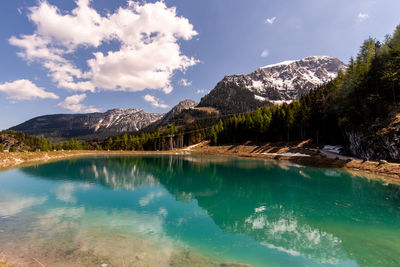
(61,58)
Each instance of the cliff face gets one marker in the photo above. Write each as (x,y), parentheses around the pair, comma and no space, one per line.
(382,141)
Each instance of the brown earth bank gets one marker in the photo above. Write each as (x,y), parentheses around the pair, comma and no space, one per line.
(303,152)
(308,154)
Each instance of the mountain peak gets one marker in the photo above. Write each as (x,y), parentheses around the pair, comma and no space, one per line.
(289,80)
(276,83)
(314,59)
(183,105)
(283,63)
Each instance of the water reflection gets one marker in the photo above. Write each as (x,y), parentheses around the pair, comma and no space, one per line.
(12,204)
(114,173)
(281,230)
(291,210)
(65,192)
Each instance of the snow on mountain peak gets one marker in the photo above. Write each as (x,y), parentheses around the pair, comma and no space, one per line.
(288,80)
(284,63)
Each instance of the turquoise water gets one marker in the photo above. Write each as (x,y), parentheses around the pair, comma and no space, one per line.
(195,211)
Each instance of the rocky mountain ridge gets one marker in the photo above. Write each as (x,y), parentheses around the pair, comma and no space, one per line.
(277,83)
(181,106)
(111,122)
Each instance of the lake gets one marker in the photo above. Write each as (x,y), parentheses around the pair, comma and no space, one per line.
(195,211)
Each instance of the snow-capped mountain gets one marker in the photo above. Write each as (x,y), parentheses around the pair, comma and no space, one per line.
(283,82)
(112,122)
(125,120)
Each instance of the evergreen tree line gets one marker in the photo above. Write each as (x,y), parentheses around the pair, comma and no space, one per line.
(171,137)
(24,142)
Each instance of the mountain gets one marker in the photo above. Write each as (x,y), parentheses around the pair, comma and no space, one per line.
(183,105)
(277,83)
(112,122)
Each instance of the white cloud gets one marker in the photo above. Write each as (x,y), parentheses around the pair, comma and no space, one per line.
(83,26)
(149,198)
(201,91)
(362,17)
(147,58)
(11,204)
(185,82)
(25,90)
(65,193)
(36,48)
(155,102)
(265,53)
(270,20)
(73,103)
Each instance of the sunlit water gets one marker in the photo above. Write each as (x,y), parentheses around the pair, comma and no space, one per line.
(194,210)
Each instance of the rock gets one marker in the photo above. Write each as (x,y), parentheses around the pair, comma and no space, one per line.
(378,142)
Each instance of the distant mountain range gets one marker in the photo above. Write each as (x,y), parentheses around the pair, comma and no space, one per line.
(273,84)
(88,125)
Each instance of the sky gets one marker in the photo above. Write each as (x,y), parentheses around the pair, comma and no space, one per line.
(80,56)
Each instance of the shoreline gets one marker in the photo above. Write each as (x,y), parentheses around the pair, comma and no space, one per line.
(300,154)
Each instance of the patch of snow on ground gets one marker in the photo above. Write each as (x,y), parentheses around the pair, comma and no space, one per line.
(258,85)
(333,149)
(287,154)
(281,102)
(260,98)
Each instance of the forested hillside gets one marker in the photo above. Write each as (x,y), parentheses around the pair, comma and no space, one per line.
(357,109)
(17,141)
(229,98)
